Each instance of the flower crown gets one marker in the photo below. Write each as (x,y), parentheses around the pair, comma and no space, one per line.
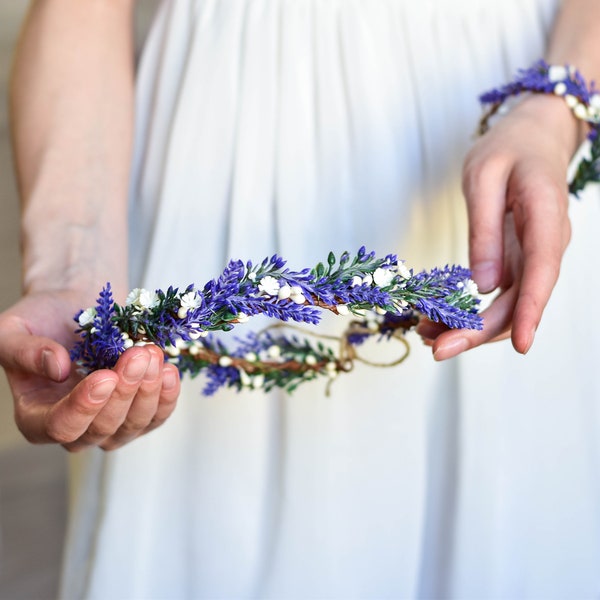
(385,298)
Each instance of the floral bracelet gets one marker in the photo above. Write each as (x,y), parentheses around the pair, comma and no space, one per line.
(384,298)
(568,83)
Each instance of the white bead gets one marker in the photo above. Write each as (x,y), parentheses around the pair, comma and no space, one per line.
(380,311)
(310,359)
(225,361)
(557,73)
(580,111)
(560,89)
(194,350)
(128,343)
(182,313)
(571,100)
(242,317)
(595,101)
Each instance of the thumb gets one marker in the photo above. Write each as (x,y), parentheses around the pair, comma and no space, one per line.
(36,355)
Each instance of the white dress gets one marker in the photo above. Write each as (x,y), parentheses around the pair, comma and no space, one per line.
(299,127)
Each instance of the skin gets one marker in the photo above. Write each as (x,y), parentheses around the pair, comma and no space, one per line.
(71,114)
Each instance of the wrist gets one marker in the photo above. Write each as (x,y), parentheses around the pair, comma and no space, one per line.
(557,117)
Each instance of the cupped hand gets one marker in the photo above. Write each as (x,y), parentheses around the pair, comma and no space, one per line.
(53,404)
(514,181)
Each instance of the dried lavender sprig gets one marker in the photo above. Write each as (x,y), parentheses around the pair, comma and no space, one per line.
(351,285)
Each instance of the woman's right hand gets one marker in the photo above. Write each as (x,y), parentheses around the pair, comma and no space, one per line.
(53,404)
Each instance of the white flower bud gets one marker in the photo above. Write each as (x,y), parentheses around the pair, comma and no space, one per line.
(245,379)
(172,350)
(142,299)
(269,286)
(258,381)
(383,277)
(557,73)
(274,351)
(342,309)
(87,317)
(298,298)
(284,292)
(403,271)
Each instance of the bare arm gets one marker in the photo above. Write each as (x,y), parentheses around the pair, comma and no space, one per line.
(515,186)
(72,118)
(71,107)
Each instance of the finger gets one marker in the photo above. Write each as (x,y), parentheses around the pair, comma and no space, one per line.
(484,186)
(169,393)
(497,319)
(430,330)
(130,369)
(545,235)
(22,351)
(65,420)
(143,406)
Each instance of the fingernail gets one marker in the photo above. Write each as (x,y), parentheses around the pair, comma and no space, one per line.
(50,366)
(102,390)
(136,367)
(485,275)
(153,369)
(169,379)
(451,349)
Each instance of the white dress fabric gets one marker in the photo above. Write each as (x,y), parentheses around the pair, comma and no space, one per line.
(299,127)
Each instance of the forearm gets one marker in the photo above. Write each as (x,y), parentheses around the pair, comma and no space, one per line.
(71,114)
(574,40)
(575,37)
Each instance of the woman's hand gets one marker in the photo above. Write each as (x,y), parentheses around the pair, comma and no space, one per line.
(514,181)
(108,408)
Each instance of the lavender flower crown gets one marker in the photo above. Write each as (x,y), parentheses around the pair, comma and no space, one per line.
(564,81)
(385,298)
